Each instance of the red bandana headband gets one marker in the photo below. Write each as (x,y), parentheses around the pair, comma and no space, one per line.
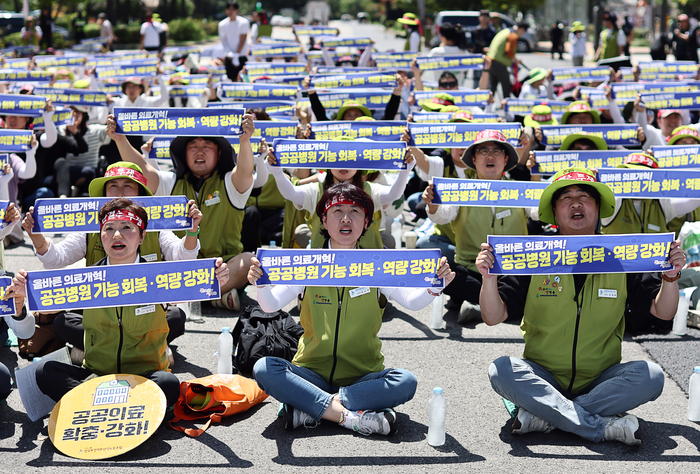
(340,199)
(579,108)
(641,160)
(577,176)
(437,100)
(123,215)
(124,172)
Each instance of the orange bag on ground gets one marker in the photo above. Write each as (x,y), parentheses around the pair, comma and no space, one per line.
(214,397)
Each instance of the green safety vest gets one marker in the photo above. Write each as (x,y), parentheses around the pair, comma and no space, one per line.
(446,229)
(473,224)
(575,348)
(269,197)
(371,240)
(149,250)
(627,221)
(609,42)
(220,234)
(340,340)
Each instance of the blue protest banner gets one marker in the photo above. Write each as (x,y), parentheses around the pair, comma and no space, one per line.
(344,70)
(58,61)
(334,42)
(387,130)
(80,214)
(357,268)
(281,79)
(24,50)
(651,183)
(279,107)
(195,79)
(103,72)
(132,62)
(524,106)
(678,156)
(275,50)
(443,117)
(475,98)
(7,307)
(256,91)
(672,100)
(340,154)
(122,285)
(25,76)
(22,104)
(560,254)
(451,63)
(274,69)
(580,74)
(15,141)
(345,81)
(188,91)
(181,50)
(627,90)
(308,30)
(613,134)
(395,64)
(487,193)
(458,135)
(549,162)
(97,40)
(59,117)
(270,130)
(402,55)
(86,48)
(3,204)
(373,100)
(663,67)
(86,97)
(183,121)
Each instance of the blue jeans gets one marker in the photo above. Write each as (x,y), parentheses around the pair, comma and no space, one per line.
(309,392)
(438,242)
(620,388)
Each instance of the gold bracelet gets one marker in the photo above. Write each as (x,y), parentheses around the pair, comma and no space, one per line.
(42,245)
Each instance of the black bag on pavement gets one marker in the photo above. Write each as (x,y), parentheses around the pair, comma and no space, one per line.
(258,334)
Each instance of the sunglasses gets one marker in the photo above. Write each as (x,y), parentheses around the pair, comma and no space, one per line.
(448,85)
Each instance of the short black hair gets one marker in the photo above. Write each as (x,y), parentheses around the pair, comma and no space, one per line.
(523,25)
(350,191)
(590,190)
(447,75)
(125,204)
(450,31)
(233,5)
(585,141)
(259,113)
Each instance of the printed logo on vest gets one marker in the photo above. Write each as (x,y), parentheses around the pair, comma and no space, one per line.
(213,199)
(320,299)
(549,287)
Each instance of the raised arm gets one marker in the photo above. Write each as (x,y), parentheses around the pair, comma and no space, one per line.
(132,155)
(242,175)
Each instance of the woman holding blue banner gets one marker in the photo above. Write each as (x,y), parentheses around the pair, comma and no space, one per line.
(123,339)
(338,372)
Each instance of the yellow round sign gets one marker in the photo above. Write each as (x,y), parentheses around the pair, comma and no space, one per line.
(107,416)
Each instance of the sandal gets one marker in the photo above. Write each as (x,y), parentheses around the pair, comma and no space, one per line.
(228,300)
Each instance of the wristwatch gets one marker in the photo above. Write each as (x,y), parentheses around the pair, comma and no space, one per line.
(671,279)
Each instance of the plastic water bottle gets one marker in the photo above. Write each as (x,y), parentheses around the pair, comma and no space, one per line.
(396,232)
(273,244)
(680,320)
(437,409)
(225,352)
(436,312)
(694,396)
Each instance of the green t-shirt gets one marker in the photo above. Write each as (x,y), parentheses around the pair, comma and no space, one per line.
(497,49)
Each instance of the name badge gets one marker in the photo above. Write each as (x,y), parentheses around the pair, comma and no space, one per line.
(503,214)
(151,308)
(151,257)
(212,201)
(603,293)
(359,292)
(653,227)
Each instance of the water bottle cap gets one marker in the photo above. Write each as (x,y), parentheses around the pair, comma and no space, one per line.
(396,219)
(437,390)
(697,368)
(225,329)
(273,243)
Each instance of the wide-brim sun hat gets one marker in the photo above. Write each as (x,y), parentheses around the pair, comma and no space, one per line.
(569,140)
(351,104)
(439,102)
(570,177)
(640,161)
(178,153)
(683,132)
(133,80)
(408,19)
(540,115)
(536,74)
(580,107)
(495,136)
(120,169)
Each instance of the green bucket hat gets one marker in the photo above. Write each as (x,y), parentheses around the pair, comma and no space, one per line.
(351,104)
(120,169)
(439,102)
(580,107)
(570,177)
(540,115)
(599,142)
(536,74)
(683,132)
(408,19)
(577,26)
(639,160)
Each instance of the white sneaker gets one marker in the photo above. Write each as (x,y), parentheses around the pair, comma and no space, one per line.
(171,357)
(623,429)
(469,312)
(368,422)
(294,418)
(526,422)
(77,356)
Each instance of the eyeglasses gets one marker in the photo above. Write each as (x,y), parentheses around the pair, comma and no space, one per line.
(485,152)
(448,85)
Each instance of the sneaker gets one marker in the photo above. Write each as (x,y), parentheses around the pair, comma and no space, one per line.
(452,304)
(77,356)
(170,356)
(380,422)
(526,422)
(469,312)
(622,429)
(294,418)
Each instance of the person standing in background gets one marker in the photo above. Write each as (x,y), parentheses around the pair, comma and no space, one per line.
(612,39)
(577,41)
(46,25)
(684,40)
(150,34)
(414,31)
(106,30)
(628,30)
(78,25)
(556,35)
(502,52)
(30,33)
(233,32)
(481,39)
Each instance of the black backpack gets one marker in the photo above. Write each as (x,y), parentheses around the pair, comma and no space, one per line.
(259,334)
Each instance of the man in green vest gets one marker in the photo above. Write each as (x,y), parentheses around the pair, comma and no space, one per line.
(207,171)
(502,53)
(490,155)
(612,39)
(571,376)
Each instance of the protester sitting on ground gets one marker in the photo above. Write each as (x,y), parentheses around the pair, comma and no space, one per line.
(22,325)
(684,136)
(208,172)
(490,155)
(668,120)
(121,340)
(535,88)
(566,379)
(338,372)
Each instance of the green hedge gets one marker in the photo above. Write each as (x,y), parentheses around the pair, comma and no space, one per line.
(128,34)
(92,30)
(12,39)
(187,30)
(211,27)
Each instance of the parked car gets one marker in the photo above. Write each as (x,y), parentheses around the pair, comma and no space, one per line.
(11,22)
(470,20)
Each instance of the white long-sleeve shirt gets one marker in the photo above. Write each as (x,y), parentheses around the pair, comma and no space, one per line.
(143,100)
